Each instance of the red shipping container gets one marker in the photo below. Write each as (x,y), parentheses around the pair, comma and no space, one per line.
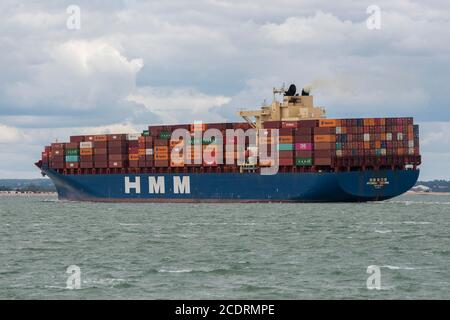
(286,162)
(120,150)
(57,164)
(272,124)
(303,154)
(116,164)
(117,144)
(303,131)
(100,151)
(324,153)
(72,145)
(86,164)
(101,144)
(303,139)
(133,143)
(133,150)
(289,124)
(307,123)
(285,154)
(322,161)
(285,132)
(324,131)
(72,165)
(133,163)
(101,164)
(161,163)
(100,158)
(161,142)
(118,157)
(86,158)
(116,137)
(77,139)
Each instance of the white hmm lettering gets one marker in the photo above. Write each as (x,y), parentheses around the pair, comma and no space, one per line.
(136,185)
(156,185)
(182,185)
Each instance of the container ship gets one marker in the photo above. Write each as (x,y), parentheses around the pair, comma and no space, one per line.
(314,159)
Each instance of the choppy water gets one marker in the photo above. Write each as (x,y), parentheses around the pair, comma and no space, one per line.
(241,251)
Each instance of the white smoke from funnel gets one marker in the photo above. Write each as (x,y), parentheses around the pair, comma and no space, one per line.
(339,85)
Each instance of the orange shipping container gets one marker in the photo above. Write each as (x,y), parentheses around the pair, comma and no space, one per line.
(101,138)
(177,163)
(325,138)
(286,139)
(86,152)
(161,149)
(141,152)
(132,157)
(329,123)
(378,144)
(369,121)
(161,156)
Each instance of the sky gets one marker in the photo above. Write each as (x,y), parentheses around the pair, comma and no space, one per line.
(135,63)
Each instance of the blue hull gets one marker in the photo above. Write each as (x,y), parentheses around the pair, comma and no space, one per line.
(235,187)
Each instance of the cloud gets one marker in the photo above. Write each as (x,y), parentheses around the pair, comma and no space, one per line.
(9,134)
(182,105)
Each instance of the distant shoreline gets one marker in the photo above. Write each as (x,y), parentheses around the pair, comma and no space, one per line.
(431,193)
(25,193)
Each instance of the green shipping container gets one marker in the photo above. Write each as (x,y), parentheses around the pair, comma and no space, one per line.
(338,145)
(72,152)
(145,133)
(165,135)
(196,141)
(303,161)
(71,158)
(285,147)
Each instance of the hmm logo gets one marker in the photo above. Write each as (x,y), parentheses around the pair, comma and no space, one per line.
(157,185)
(378,183)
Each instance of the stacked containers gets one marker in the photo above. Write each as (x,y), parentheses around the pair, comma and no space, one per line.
(100,151)
(87,154)
(117,150)
(45,156)
(133,149)
(304,143)
(286,145)
(72,155)
(325,142)
(57,156)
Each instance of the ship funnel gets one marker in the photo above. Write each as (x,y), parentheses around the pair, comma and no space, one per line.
(305,91)
(291,91)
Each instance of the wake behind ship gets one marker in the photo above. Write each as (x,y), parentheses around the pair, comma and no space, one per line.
(284,152)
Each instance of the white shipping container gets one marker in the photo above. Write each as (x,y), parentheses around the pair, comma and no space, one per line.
(389,136)
(399,136)
(383,152)
(148,152)
(339,153)
(366,136)
(252,160)
(411,143)
(133,136)
(86,145)
(338,130)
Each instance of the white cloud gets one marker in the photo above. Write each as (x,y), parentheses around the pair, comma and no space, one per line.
(9,134)
(180,105)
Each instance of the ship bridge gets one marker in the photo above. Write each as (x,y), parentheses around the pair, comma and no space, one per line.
(293,107)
